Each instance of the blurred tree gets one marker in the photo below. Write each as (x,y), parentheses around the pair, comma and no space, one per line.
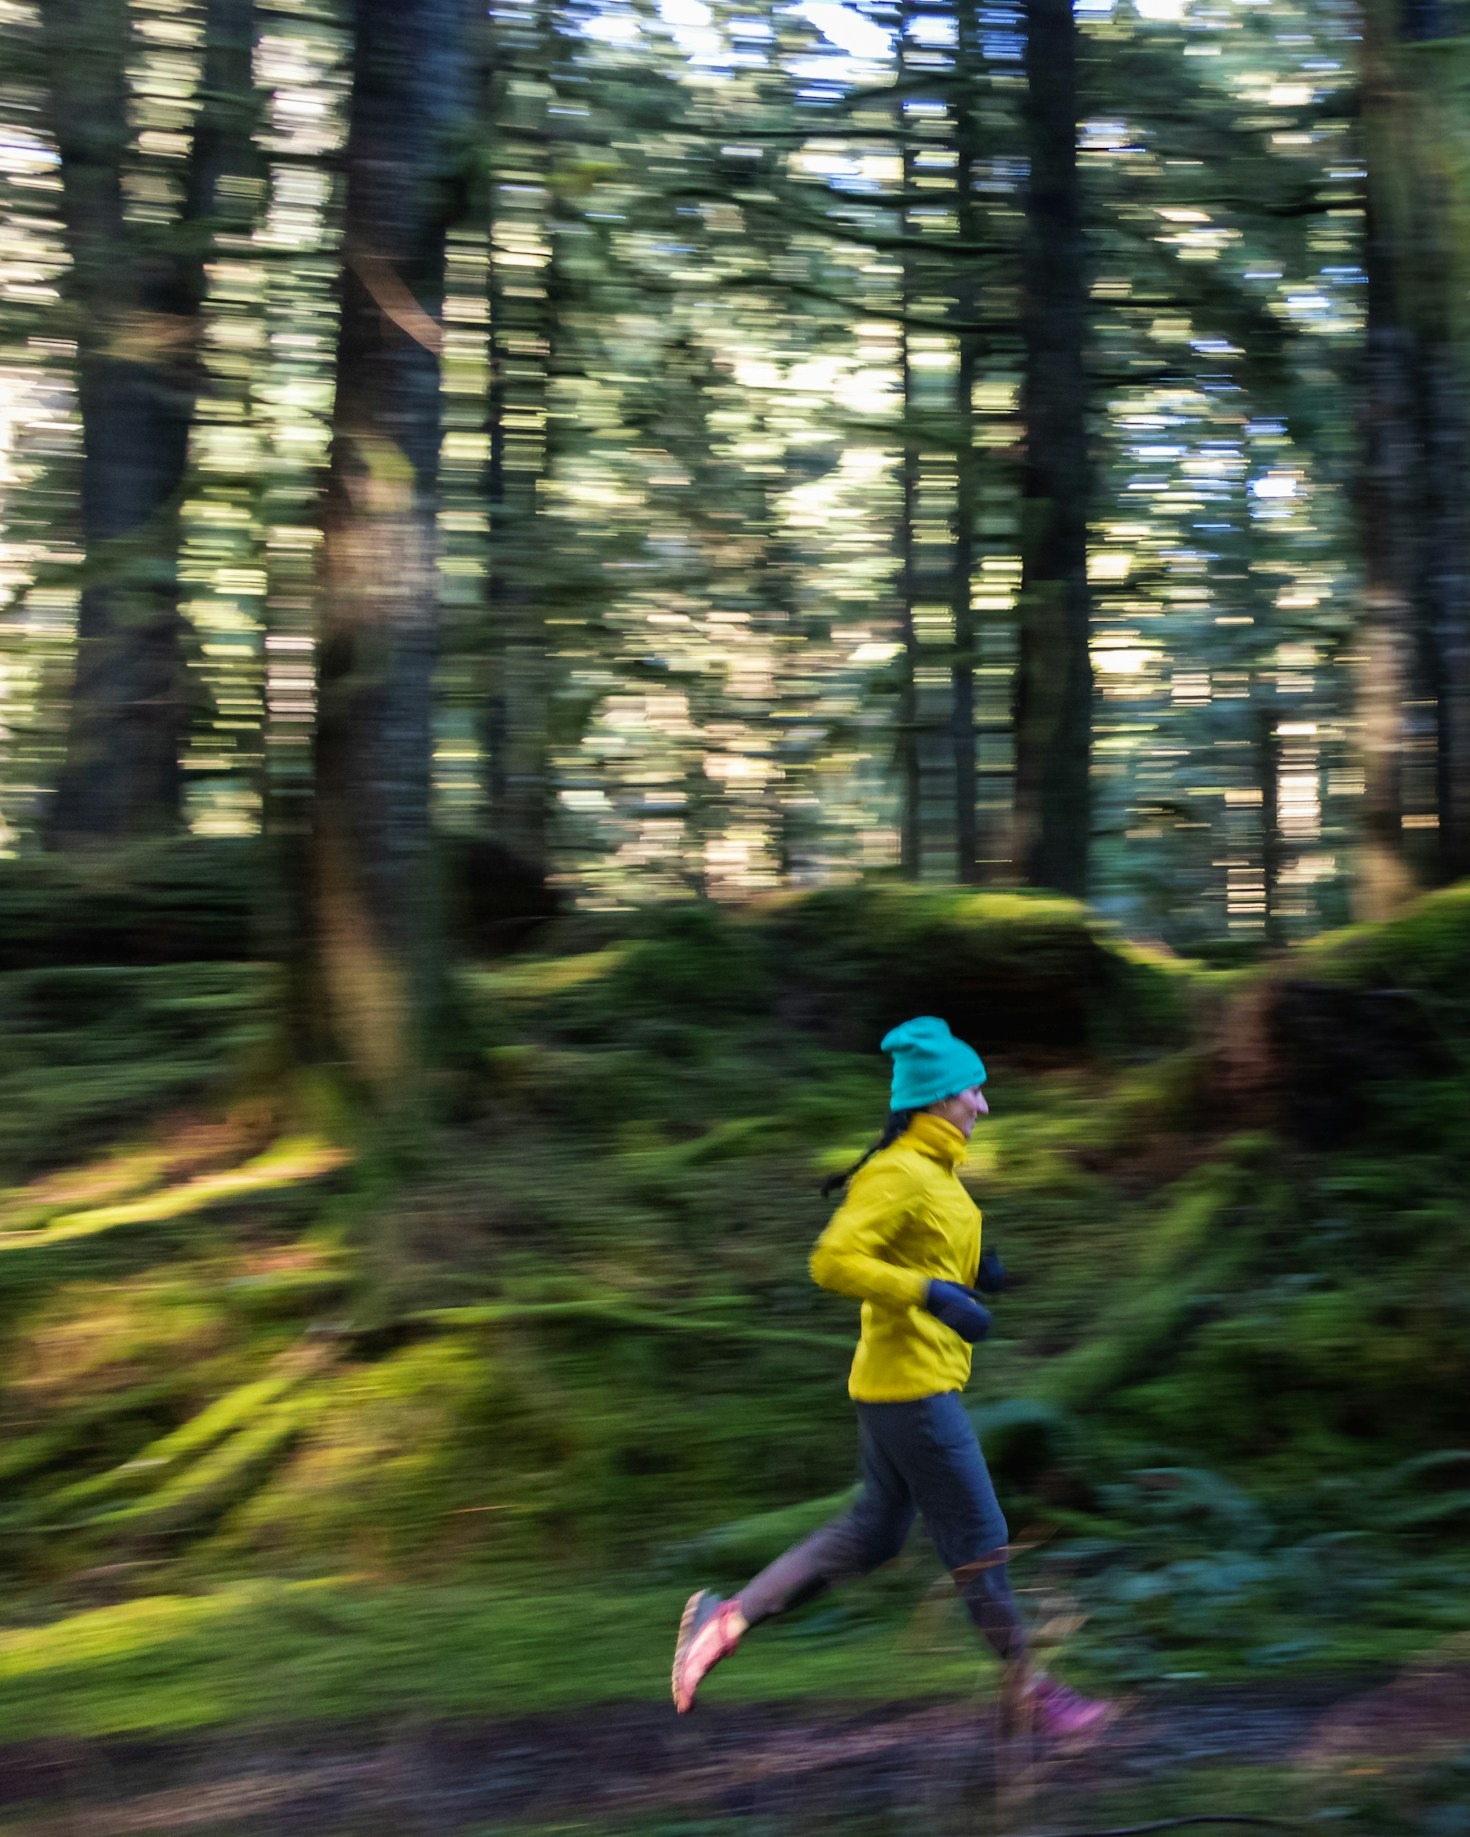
(135,286)
(373,932)
(1053,683)
(740,356)
(968,223)
(1417,465)
(1415,640)
(908,752)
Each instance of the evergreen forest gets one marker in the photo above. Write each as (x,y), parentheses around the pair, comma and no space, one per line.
(564,566)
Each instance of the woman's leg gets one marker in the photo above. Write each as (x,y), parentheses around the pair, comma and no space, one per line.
(933,1446)
(869,1533)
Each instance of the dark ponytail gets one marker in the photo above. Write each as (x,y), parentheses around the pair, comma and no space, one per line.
(898,1121)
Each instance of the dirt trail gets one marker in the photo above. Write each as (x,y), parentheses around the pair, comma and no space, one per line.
(905,1766)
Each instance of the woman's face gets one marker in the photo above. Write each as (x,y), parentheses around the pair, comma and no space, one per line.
(964,1109)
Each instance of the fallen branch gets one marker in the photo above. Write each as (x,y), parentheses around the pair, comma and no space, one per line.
(620,1314)
(1174,1824)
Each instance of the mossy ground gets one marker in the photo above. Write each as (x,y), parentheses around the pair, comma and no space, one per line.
(1225,1398)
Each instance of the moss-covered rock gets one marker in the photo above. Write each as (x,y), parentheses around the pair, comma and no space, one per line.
(1014,972)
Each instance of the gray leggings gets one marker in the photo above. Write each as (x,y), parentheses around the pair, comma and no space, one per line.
(919,1458)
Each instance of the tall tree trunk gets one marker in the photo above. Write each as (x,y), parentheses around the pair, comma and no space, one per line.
(909,762)
(1415,638)
(373,928)
(138,379)
(120,775)
(1390,482)
(1053,689)
(1447,583)
(908,758)
(1385,877)
(495,722)
(1432,65)
(967,476)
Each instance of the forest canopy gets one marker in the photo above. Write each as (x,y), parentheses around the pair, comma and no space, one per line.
(1017,445)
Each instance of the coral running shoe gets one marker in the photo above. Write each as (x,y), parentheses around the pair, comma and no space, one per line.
(709,1631)
(1059,1714)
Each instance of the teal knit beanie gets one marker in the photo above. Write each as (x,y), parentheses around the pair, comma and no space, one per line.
(929,1063)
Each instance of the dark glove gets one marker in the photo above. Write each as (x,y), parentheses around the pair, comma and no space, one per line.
(958,1309)
(991,1278)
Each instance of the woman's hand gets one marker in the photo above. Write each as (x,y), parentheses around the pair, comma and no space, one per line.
(991,1278)
(958,1309)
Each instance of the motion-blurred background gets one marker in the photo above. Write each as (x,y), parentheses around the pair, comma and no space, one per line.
(562,567)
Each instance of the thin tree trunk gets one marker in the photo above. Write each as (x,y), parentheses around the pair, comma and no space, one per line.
(1268,781)
(910,763)
(1053,688)
(373,928)
(967,477)
(908,756)
(495,725)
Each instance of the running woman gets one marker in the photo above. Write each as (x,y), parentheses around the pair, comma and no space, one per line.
(905,1242)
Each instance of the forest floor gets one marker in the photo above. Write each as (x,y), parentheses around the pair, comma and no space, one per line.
(274,1559)
(1287,1755)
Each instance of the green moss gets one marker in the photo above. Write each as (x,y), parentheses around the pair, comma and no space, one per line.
(287,1163)
(84,1423)
(1013,971)
(211,1484)
(1425,948)
(273,1654)
(87,1052)
(156,1466)
(604,1350)
(268,1654)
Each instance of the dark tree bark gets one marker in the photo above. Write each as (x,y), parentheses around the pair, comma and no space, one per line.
(1385,876)
(374,910)
(1053,689)
(1414,640)
(138,312)
(967,473)
(1447,583)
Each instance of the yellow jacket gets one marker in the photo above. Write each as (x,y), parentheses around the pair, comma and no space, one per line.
(906,1221)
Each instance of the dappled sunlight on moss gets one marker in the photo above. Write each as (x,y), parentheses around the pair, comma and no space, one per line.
(430,1453)
(108,1181)
(176,1148)
(1428,944)
(531,978)
(287,1163)
(88,1336)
